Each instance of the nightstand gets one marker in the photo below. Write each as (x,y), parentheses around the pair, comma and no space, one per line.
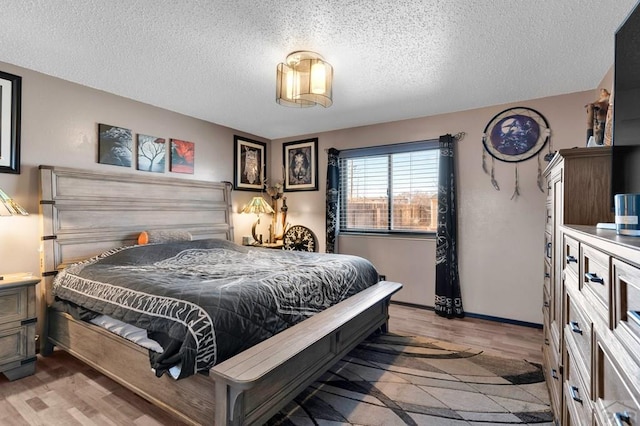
(18,325)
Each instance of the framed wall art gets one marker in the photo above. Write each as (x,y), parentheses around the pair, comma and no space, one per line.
(10,110)
(115,145)
(300,160)
(250,159)
(151,153)
(514,135)
(182,158)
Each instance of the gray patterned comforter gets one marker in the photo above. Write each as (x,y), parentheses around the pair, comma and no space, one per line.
(205,301)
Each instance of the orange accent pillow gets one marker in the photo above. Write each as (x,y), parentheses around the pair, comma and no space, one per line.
(143,238)
(164,236)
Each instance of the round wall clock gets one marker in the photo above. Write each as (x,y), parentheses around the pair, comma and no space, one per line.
(300,238)
(516,134)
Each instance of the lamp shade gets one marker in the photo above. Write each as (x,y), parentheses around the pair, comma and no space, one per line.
(8,207)
(257,205)
(305,80)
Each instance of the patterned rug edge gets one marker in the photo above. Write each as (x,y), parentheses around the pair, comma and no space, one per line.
(392,379)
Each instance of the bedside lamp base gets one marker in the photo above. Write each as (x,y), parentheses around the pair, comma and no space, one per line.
(256,240)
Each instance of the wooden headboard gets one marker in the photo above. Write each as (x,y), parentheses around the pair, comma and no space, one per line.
(85,213)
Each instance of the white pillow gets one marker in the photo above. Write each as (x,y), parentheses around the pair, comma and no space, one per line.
(164,236)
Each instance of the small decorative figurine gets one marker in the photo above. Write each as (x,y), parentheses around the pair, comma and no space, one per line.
(597,116)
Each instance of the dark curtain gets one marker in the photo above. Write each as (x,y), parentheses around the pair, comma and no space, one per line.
(333,186)
(448,301)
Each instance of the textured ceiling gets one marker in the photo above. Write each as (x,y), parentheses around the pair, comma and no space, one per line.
(393,59)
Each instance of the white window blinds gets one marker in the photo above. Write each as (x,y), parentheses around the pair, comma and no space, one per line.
(391,188)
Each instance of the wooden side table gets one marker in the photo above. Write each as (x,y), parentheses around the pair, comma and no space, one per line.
(18,325)
(276,246)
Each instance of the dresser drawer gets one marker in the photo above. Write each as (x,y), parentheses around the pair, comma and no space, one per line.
(545,328)
(571,281)
(16,345)
(577,395)
(578,327)
(14,305)
(615,393)
(595,281)
(553,376)
(571,254)
(546,306)
(549,216)
(546,319)
(547,277)
(548,247)
(18,325)
(626,312)
(607,413)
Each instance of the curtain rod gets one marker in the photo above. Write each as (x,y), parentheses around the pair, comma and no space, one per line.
(458,136)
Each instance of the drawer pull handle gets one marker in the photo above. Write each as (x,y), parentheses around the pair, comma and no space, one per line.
(574,394)
(547,275)
(594,278)
(546,304)
(546,342)
(548,250)
(571,259)
(554,373)
(575,327)
(622,418)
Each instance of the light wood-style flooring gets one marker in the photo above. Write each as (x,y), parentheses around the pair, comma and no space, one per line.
(65,391)
(493,337)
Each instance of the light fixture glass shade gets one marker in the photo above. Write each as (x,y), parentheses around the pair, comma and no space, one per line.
(257,205)
(305,80)
(8,207)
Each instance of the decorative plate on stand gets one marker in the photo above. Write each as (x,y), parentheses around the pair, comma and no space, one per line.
(300,238)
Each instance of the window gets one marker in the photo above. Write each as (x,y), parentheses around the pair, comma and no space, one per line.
(390,189)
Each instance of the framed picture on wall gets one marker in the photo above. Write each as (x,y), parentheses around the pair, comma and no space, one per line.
(115,145)
(300,159)
(250,159)
(10,109)
(151,153)
(183,155)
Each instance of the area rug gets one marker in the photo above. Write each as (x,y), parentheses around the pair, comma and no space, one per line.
(401,380)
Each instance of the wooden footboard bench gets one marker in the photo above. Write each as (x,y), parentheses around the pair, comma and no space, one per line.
(261,380)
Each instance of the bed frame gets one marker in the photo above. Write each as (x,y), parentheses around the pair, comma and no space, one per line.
(85,213)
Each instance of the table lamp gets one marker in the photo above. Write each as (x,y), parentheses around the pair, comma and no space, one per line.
(8,207)
(257,205)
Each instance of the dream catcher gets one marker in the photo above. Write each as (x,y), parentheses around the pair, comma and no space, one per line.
(515,135)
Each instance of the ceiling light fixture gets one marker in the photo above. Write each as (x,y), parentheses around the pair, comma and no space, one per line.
(305,80)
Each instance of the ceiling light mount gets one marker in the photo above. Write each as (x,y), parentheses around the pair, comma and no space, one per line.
(304,80)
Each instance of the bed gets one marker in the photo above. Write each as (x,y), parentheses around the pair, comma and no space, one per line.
(86,213)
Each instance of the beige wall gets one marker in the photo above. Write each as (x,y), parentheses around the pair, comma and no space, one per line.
(59,127)
(500,240)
